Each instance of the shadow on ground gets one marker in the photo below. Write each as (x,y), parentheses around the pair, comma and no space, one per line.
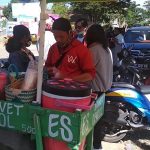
(3,147)
(140,138)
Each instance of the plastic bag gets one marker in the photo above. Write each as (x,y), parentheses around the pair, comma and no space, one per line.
(30,80)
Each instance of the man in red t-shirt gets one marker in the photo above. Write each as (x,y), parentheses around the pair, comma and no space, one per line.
(68,58)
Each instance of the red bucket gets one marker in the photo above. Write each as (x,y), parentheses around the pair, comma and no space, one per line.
(66,96)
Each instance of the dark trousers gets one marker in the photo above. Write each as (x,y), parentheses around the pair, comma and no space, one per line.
(97,137)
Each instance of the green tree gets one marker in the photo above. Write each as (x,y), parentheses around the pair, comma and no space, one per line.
(147,6)
(61,8)
(103,12)
(135,15)
(7,11)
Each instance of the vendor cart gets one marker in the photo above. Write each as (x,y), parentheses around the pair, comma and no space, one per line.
(36,121)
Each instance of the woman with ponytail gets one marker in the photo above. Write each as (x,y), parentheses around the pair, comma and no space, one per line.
(17,45)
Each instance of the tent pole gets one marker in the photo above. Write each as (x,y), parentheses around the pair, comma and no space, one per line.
(41,50)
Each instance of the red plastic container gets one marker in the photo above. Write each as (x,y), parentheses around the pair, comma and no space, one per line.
(63,103)
(51,144)
(3,82)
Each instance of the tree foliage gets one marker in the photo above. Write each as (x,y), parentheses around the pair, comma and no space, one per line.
(103,12)
(147,6)
(7,11)
(133,16)
(60,8)
(125,11)
(137,15)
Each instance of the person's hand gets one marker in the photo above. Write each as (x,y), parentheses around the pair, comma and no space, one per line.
(54,72)
(57,73)
(50,71)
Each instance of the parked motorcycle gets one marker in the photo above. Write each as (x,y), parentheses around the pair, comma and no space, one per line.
(129,70)
(121,72)
(127,108)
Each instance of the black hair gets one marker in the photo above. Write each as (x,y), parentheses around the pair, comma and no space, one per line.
(83,22)
(13,44)
(19,31)
(96,33)
(62,24)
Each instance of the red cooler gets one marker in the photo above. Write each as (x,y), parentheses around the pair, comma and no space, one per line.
(65,95)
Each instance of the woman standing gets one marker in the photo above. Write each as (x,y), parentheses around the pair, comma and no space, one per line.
(17,45)
(97,42)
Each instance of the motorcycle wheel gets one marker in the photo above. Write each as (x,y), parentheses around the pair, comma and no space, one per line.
(112,132)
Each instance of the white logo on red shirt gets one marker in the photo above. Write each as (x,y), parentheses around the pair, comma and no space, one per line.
(71,59)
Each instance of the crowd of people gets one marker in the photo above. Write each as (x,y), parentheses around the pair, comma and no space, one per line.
(83,54)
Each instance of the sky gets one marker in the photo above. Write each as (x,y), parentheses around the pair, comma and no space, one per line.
(141,2)
(5,2)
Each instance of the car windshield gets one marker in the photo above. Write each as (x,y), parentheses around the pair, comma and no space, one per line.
(136,36)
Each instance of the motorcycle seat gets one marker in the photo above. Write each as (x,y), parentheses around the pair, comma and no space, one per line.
(145,89)
(122,85)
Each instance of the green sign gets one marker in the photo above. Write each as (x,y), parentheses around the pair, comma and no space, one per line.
(16,116)
(69,127)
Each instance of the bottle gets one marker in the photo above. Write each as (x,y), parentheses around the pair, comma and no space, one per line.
(30,80)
